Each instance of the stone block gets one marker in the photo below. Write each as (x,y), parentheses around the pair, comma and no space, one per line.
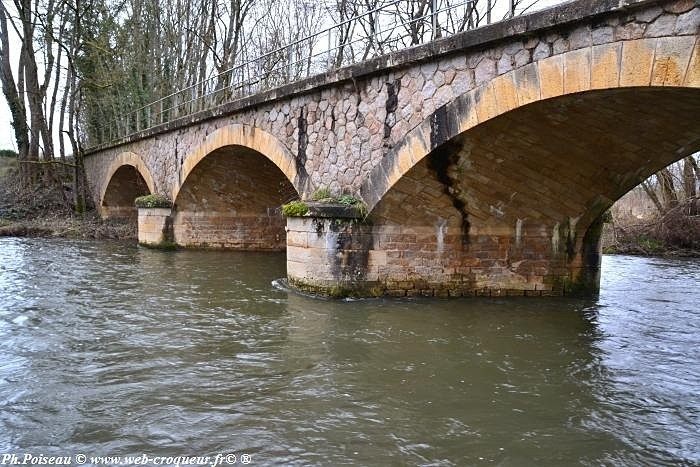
(577,70)
(527,84)
(505,64)
(680,6)
(671,60)
(505,91)
(661,26)
(629,31)
(647,15)
(637,62)
(486,104)
(468,117)
(602,35)
(551,71)
(297,239)
(485,71)
(692,75)
(542,51)
(605,66)
(688,23)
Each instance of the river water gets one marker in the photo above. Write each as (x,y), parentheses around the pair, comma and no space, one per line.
(111,349)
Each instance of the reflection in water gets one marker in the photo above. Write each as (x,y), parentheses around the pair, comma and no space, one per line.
(106,348)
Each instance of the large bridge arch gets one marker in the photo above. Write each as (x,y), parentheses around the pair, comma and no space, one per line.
(127,177)
(231,190)
(500,189)
(642,63)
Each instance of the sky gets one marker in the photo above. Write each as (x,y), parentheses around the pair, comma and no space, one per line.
(7,139)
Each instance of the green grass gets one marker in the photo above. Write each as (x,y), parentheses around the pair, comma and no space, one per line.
(295,209)
(153,201)
(321,194)
(650,245)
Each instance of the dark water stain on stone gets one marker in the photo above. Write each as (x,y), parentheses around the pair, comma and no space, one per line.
(444,156)
(168,229)
(392,102)
(353,244)
(303,139)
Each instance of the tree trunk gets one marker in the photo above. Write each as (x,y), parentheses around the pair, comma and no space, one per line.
(689,178)
(668,190)
(649,190)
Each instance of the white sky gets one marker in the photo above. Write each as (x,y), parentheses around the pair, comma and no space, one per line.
(7,139)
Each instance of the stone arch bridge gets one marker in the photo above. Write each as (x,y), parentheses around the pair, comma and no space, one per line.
(485,159)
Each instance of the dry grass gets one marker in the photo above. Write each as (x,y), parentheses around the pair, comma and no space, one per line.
(7,165)
(676,232)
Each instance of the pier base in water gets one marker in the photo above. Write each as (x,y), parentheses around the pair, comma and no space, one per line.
(155,227)
(336,253)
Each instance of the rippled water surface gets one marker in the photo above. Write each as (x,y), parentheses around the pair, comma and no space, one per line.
(106,348)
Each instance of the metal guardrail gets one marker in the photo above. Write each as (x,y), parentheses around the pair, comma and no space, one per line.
(303,58)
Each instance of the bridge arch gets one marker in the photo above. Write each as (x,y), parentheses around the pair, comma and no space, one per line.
(643,63)
(231,190)
(245,136)
(127,177)
(550,153)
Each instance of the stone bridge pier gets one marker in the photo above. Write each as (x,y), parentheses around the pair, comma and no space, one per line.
(484,161)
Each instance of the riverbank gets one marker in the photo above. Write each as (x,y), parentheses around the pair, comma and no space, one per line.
(676,233)
(44,213)
(643,245)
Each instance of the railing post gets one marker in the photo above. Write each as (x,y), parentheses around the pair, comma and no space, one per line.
(330,55)
(511,8)
(289,64)
(488,12)
(193,106)
(377,32)
(433,6)
(238,80)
